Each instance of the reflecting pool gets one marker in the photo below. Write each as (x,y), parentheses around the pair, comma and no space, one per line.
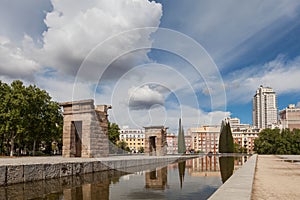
(196,178)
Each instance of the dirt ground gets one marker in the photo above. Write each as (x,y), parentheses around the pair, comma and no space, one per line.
(276,179)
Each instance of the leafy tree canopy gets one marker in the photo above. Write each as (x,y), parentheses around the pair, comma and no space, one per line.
(27,116)
(113,132)
(276,141)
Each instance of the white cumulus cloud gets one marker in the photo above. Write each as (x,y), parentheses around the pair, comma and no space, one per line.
(14,62)
(76,28)
(144,98)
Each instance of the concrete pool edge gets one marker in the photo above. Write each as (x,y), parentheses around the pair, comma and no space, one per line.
(20,170)
(240,184)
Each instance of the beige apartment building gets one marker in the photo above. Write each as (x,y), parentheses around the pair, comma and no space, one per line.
(206,138)
(135,138)
(172,141)
(290,117)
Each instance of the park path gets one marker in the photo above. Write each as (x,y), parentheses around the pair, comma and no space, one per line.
(276,179)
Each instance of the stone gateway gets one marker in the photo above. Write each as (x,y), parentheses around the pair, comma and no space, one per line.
(155,140)
(85,130)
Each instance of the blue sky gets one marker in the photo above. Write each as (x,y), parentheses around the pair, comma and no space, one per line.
(202,60)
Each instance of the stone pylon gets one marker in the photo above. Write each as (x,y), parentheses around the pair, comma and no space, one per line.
(85,130)
(155,140)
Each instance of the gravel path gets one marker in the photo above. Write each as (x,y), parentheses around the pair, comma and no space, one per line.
(276,179)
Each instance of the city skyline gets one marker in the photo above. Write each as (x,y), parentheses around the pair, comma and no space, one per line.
(215,57)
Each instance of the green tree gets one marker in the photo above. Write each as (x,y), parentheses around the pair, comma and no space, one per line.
(276,141)
(13,113)
(239,149)
(28,115)
(44,118)
(226,140)
(141,150)
(265,144)
(122,145)
(4,91)
(113,132)
(181,140)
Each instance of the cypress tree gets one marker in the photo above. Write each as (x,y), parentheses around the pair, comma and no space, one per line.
(181,141)
(226,140)
(229,139)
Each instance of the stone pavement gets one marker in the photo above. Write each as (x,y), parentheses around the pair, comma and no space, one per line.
(277,177)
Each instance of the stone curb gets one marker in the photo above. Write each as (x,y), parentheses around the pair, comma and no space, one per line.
(18,173)
(239,185)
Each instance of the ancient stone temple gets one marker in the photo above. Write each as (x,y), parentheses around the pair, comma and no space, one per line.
(85,130)
(155,140)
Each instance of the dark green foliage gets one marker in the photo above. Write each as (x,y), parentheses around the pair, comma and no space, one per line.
(113,132)
(226,140)
(239,149)
(142,150)
(28,116)
(113,136)
(181,140)
(226,167)
(274,141)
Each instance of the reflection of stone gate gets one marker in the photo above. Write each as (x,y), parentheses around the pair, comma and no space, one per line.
(155,140)
(85,129)
(157,179)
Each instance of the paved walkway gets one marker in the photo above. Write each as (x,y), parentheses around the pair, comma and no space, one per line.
(239,185)
(277,179)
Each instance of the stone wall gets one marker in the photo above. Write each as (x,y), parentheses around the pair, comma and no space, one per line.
(18,173)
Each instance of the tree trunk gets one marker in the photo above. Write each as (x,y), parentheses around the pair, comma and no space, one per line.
(33,150)
(12,146)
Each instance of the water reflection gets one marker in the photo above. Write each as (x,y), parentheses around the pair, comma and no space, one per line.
(181,170)
(157,179)
(88,186)
(192,179)
(226,167)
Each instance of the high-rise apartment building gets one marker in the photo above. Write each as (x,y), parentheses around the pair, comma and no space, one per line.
(264,110)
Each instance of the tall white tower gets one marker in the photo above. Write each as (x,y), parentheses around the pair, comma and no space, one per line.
(264,109)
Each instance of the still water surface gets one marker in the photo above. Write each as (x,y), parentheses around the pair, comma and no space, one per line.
(197,178)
